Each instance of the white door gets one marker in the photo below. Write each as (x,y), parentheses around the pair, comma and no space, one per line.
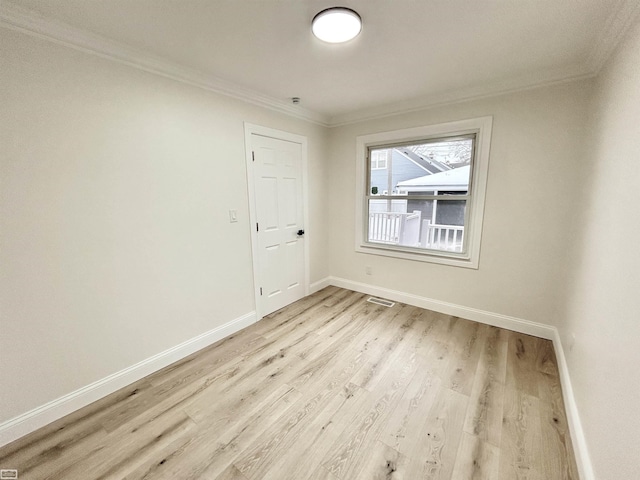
(279,214)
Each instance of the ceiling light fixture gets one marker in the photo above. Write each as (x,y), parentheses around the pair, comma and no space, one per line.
(336,25)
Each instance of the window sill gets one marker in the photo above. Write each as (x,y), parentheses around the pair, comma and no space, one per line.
(429,256)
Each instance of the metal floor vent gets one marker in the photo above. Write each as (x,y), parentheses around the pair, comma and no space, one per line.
(380,301)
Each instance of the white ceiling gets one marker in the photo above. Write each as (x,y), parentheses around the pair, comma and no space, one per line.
(411,53)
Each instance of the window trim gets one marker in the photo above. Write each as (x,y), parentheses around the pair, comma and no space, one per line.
(475,204)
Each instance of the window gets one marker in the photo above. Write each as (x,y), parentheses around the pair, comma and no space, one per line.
(421,192)
(379,159)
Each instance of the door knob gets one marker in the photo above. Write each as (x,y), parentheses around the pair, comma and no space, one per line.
(300,233)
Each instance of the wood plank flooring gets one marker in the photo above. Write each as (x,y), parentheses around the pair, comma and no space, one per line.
(329,388)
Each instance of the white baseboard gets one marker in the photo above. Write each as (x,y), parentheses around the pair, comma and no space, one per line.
(498,320)
(585,469)
(319,285)
(39,417)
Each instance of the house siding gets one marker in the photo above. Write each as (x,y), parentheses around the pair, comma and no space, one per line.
(403,169)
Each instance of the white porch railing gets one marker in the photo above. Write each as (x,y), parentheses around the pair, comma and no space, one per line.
(407,229)
(395,228)
(442,237)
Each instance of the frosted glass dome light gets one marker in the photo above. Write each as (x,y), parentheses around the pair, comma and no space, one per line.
(336,25)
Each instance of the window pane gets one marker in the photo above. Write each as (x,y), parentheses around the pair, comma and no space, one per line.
(426,224)
(430,168)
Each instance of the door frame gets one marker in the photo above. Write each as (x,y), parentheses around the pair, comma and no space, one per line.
(249,130)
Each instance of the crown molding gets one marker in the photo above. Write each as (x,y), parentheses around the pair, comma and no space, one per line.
(516,84)
(27,21)
(616,27)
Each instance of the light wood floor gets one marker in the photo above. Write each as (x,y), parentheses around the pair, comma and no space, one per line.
(331,387)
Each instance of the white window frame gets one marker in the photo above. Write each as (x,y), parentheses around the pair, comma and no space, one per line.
(481,127)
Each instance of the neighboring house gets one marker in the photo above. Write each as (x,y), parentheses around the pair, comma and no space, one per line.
(451,182)
(404,164)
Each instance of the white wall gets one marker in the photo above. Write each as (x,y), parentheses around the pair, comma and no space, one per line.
(115,241)
(536,152)
(604,303)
